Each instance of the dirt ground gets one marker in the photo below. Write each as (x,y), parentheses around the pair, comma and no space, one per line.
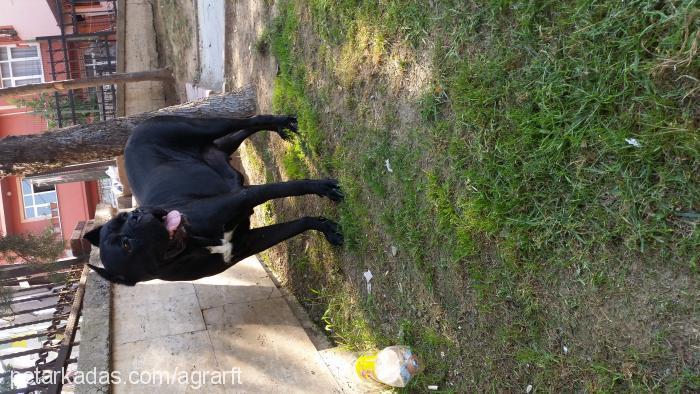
(245,22)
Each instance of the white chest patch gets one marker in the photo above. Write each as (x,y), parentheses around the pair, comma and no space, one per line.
(226,248)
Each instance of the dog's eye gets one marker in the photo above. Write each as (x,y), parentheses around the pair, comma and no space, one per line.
(126,245)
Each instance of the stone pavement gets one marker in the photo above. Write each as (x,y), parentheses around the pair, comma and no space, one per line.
(236,321)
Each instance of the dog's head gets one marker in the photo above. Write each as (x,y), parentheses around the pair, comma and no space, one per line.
(133,246)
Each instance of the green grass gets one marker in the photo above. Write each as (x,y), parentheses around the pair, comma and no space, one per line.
(523,220)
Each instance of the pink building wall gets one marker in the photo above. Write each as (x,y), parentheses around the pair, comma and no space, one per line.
(30,18)
(16,121)
(76,202)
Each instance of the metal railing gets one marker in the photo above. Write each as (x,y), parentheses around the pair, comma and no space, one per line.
(85,47)
(41,317)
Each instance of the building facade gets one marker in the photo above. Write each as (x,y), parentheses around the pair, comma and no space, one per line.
(41,41)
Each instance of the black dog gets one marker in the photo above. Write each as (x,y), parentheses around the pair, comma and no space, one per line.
(194,219)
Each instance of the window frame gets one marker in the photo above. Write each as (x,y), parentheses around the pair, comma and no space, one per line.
(10,60)
(34,205)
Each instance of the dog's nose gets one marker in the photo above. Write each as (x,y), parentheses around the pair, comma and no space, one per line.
(147,217)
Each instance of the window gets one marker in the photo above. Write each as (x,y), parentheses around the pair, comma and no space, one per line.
(20,65)
(37,200)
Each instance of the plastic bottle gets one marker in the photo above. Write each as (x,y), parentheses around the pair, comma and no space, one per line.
(394,366)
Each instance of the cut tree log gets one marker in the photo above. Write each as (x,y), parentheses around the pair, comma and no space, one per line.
(27,154)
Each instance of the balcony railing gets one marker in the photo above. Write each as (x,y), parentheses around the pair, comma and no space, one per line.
(40,322)
(85,47)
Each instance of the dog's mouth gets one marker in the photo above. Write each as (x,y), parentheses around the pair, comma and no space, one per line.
(175,223)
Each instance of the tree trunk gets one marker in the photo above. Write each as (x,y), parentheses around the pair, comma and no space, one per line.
(58,148)
(162,74)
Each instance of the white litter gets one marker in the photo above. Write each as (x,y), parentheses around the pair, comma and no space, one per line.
(433,387)
(394,250)
(633,142)
(566,350)
(368,278)
(388,166)
(529,388)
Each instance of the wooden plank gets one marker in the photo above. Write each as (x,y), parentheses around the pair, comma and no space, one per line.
(33,368)
(30,389)
(75,173)
(26,311)
(161,74)
(38,279)
(30,336)
(10,356)
(18,270)
(35,298)
(33,322)
(15,292)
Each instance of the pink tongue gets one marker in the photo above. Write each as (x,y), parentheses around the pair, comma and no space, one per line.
(172,221)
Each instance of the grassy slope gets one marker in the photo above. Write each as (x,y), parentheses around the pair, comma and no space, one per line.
(524,221)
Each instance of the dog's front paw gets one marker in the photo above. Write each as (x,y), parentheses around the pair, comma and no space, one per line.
(288,128)
(331,230)
(331,189)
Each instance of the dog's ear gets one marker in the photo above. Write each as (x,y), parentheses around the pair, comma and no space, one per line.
(112,278)
(93,236)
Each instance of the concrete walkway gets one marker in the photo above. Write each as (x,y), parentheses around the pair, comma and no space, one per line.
(236,322)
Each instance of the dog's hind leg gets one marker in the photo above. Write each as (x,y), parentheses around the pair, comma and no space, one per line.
(177,128)
(285,128)
(256,240)
(226,145)
(230,142)
(230,205)
(255,195)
